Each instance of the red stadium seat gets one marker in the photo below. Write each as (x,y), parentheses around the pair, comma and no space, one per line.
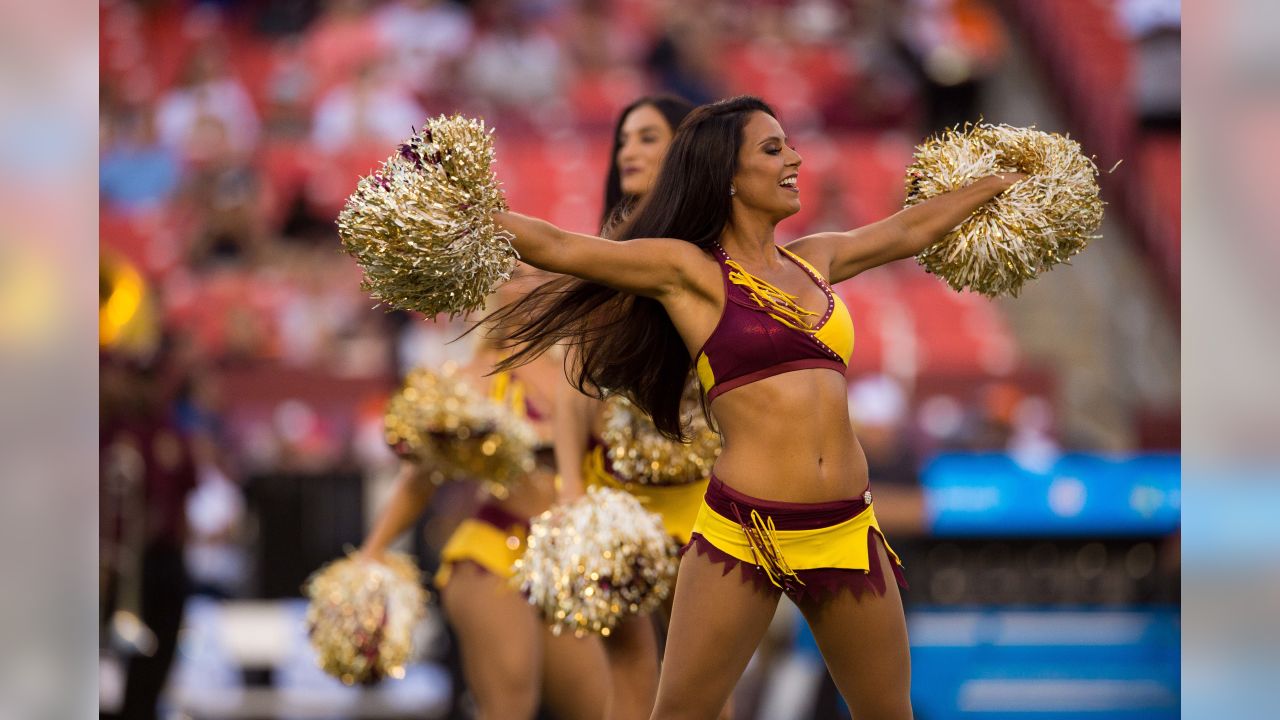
(1162,198)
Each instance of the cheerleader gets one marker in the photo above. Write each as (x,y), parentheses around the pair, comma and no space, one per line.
(701,284)
(511,661)
(641,137)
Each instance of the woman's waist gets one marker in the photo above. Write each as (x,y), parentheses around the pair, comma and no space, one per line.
(797,477)
(796,395)
(738,507)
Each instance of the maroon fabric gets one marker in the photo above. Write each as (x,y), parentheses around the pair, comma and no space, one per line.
(531,409)
(168,475)
(594,442)
(748,345)
(731,504)
(819,583)
(494,514)
(721,388)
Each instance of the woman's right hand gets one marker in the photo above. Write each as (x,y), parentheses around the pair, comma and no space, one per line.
(1007,180)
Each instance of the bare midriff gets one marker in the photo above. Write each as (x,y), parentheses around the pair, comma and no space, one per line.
(788,438)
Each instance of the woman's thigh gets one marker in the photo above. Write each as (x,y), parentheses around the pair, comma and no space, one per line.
(499,635)
(633,667)
(575,676)
(717,621)
(864,642)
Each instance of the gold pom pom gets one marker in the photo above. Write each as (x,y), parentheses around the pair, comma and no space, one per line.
(362,614)
(440,422)
(421,225)
(1026,230)
(638,453)
(596,561)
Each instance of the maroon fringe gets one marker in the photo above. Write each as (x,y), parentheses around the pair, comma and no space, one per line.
(819,583)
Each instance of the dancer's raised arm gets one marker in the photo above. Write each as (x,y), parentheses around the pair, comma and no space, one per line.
(652,267)
(901,235)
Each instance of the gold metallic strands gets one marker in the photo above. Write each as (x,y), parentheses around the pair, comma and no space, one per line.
(362,614)
(440,422)
(638,453)
(596,561)
(421,225)
(1026,230)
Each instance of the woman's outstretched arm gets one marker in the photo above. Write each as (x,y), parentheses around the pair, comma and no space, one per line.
(413,491)
(901,235)
(652,267)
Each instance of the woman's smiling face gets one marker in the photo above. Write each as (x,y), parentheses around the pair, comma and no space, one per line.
(768,169)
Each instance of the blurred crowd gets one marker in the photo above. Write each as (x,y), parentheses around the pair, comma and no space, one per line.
(231,131)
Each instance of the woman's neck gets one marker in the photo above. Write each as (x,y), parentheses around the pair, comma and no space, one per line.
(750,239)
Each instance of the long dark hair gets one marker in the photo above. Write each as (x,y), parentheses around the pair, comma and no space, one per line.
(623,343)
(673,109)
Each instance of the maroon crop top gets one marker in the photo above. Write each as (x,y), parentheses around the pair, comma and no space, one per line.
(762,332)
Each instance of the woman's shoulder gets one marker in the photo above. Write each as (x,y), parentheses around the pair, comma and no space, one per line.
(816,250)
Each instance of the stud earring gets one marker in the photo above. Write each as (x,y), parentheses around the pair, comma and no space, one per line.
(732,191)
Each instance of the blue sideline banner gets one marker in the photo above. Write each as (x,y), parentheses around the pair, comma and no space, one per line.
(991,495)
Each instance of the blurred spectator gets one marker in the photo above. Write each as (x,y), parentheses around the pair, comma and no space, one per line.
(1155,26)
(215,510)
(373,108)
(956,44)
(878,406)
(208,90)
(598,40)
(426,39)
(318,305)
(136,173)
(433,343)
(819,21)
(515,66)
(683,57)
(990,426)
(147,471)
(832,213)
(881,90)
(342,40)
(1032,444)
(290,90)
(223,198)
(285,17)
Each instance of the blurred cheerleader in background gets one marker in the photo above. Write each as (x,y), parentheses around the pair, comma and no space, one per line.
(512,663)
(611,443)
